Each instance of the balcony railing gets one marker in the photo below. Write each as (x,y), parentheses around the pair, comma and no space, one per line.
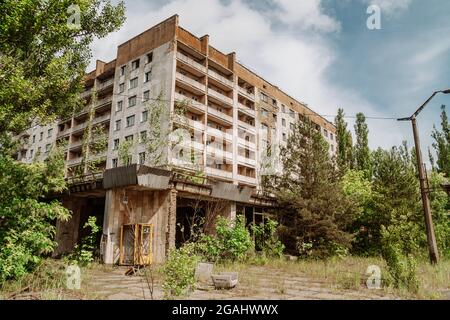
(247,126)
(219,173)
(220,115)
(220,96)
(246,110)
(246,93)
(76,144)
(220,78)
(192,103)
(191,123)
(218,153)
(97,120)
(247,161)
(191,82)
(75,161)
(245,143)
(219,134)
(106,84)
(247,179)
(191,62)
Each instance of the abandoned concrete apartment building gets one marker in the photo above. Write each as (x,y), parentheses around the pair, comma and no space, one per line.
(141,206)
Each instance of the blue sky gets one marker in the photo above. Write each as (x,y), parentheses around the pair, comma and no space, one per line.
(322,53)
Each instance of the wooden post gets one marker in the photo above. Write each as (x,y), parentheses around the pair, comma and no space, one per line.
(432,246)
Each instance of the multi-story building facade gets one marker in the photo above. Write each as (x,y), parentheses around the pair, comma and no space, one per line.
(231,115)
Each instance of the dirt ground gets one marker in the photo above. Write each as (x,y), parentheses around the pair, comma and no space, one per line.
(256,283)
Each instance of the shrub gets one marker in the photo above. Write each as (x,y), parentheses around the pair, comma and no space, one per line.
(266,239)
(179,271)
(83,254)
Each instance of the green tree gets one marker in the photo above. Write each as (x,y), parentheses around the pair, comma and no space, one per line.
(42,64)
(442,144)
(344,139)
(314,209)
(43,58)
(361,149)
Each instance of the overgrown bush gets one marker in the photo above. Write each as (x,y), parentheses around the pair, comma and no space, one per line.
(83,254)
(266,239)
(232,241)
(26,222)
(179,271)
(397,250)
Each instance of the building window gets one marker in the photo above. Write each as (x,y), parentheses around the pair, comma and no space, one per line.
(39,151)
(264,113)
(331,136)
(284,137)
(332,148)
(132,101)
(135,64)
(291,125)
(47,148)
(118,125)
(144,116)
(283,122)
(325,133)
(150,57)
(133,83)
(41,136)
(283,108)
(130,121)
(119,106)
(292,113)
(34,138)
(31,153)
(143,137)
(146,95)
(115,162)
(264,97)
(142,158)
(148,76)
(129,138)
(274,102)
(116,144)
(122,71)
(49,133)
(121,87)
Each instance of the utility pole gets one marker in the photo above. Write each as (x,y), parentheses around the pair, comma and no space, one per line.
(424,190)
(431,238)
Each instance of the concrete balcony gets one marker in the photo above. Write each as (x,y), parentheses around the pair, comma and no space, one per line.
(76,145)
(191,82)
(220,78)
(249,180)
(218,153)
(246,110)
(98,120)
(191,62)
(246,161)
(86,93)
(248,127)
(219,134)
(74,162)
(105,85)
(191,102)
(246,94)
(218,173)
(220,97)
(63,134)
(248,144)
(192,145)
(220,115)
(104,101)
(191,123)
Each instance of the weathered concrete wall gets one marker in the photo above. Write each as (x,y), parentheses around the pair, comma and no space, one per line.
(155,207)
(67,231)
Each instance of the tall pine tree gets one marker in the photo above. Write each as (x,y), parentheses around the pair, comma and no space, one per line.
(361,151)
(442,144)
(344,139)
(314,211)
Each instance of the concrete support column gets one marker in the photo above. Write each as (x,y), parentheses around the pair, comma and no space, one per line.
(171,220)
(110,236)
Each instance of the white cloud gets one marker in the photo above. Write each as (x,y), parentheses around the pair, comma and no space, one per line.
(295,56)
(390,7)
